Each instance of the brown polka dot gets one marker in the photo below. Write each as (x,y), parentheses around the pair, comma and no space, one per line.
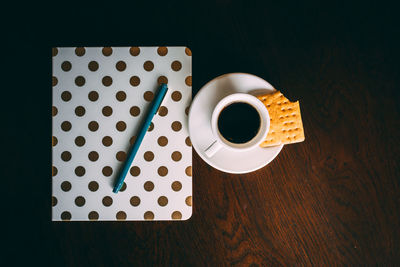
(148,65)
(134,80)
(107,81)
(107,201)
(80,81)
(66,186)
(176,215)
(148,156)
(188,80)
(188,171)
(135,171)
(107,51)
(107,141)
(151,127)
(162,141)
(121,126)
(162,171)
(176,186)
(188,201)
(107,171)
(66,156)
(135,111)
(93,186)
(187,110)
(121,156)
(123,187)
(93,126)
(80,171)
(176,126)
(54,111)
(80,141)
(148,215)
(121,65)
(93,65)
(132,140)
(162,79)
(162,201)
(148,96)
(66,66)
(54,51)
(120,96)
(79,111)
(54,171)
(135,51)
(54,81)
(93,156)
(162,51)
(80,201)
(120,215)
(176,156)
(66,96)
(163,111)
(54,141)
(53,201)
(188,142)
(80,51)
(135,201)
(66,126)
(93,216)
(66,216)
(176,65)
(93,96)
(176,96)
(148,186)
(188,51)
(107,111)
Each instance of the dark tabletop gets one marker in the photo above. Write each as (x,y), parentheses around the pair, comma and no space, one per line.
(333,199)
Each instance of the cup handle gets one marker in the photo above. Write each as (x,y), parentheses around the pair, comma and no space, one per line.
(212,149)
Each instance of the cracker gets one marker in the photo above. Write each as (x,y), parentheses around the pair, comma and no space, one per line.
(286,126)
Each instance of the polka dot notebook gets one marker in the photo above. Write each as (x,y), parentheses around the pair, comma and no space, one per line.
(100,96)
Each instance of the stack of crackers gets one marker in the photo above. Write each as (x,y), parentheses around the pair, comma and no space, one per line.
(286,126)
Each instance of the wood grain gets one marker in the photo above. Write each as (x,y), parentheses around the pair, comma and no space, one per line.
(331,200)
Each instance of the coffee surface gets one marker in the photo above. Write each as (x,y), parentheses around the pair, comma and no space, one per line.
(239,122)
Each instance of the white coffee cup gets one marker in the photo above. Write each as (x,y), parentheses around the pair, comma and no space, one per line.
(220,141)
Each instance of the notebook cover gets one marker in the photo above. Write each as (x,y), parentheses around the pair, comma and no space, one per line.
(100,95)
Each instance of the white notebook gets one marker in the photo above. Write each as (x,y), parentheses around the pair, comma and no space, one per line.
(100,95)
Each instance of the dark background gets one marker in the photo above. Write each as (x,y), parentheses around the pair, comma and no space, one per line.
(331,200)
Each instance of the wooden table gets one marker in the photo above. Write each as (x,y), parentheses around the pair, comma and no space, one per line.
(331,200)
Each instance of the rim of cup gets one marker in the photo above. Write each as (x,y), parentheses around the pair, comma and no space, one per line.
(255,103)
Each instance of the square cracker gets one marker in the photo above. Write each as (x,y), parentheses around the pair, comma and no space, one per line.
(286,126)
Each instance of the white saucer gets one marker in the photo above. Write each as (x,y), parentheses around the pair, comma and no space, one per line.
(200,123)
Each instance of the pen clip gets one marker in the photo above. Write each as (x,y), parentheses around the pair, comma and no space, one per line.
(161,102)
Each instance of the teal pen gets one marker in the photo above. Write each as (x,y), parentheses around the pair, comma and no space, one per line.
(153,110)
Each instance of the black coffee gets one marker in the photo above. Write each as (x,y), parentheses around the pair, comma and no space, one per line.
(239,122)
